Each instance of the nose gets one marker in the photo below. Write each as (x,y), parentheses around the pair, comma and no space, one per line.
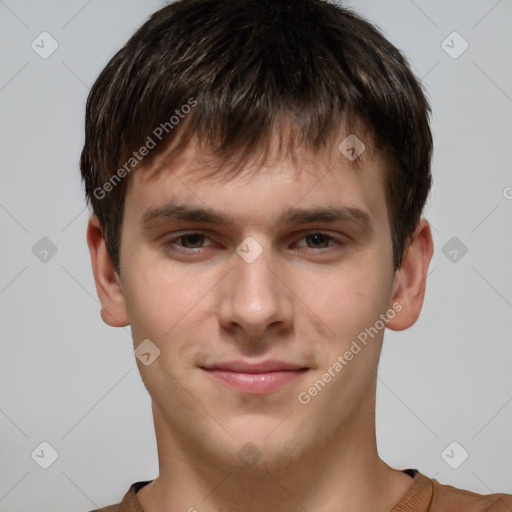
(255,297)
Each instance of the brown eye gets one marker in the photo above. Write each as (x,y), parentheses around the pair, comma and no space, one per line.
(318,240)
(194,239)
(188,243)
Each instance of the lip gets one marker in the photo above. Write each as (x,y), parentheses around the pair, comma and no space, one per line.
(260,378)
(261,367)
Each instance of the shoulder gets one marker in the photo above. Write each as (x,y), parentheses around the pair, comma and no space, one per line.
(449,498)
(110,508)
(120,507)
(129,502)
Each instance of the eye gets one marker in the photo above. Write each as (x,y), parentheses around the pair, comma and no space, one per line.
(192,243)
(192,239)
(189,243)
(318,240)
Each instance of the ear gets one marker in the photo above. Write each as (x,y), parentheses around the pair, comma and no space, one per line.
(410,279)
(108,283)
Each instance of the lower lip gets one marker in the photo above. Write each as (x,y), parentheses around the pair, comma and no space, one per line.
(257,383)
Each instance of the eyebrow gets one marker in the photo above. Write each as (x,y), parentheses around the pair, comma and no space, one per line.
(295,216)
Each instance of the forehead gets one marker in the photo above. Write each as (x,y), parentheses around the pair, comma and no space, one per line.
(346,172)
(350,146)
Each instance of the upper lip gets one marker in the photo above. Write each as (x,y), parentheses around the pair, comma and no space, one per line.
(262,367)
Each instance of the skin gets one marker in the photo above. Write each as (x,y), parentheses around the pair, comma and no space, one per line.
(303,300)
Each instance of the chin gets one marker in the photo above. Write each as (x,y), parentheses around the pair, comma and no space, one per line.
(264,443)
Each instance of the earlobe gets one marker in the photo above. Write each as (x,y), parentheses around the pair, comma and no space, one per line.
(108,283)
(410,279)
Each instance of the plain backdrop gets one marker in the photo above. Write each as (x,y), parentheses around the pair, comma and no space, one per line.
(69,380)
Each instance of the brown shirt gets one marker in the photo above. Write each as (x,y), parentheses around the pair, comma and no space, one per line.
(424,495)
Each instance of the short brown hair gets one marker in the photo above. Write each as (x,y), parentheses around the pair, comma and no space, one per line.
(245,66)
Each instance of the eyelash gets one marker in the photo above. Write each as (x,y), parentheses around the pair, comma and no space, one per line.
(170,244)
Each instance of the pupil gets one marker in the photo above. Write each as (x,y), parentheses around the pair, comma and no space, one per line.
(193,239)
(318,238)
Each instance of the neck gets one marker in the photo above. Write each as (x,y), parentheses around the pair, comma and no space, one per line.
(342,472)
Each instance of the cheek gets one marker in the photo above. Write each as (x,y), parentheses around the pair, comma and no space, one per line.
(165,302)
(346,300)
(152,298)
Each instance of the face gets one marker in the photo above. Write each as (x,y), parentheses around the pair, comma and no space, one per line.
(265,296)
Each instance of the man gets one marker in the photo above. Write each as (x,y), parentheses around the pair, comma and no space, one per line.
(257,171)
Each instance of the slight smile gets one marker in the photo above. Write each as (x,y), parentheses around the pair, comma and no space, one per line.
(261,378)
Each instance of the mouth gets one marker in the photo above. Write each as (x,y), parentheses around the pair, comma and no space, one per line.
(260,378)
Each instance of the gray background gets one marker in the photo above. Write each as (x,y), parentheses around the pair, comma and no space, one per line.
(70,380)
